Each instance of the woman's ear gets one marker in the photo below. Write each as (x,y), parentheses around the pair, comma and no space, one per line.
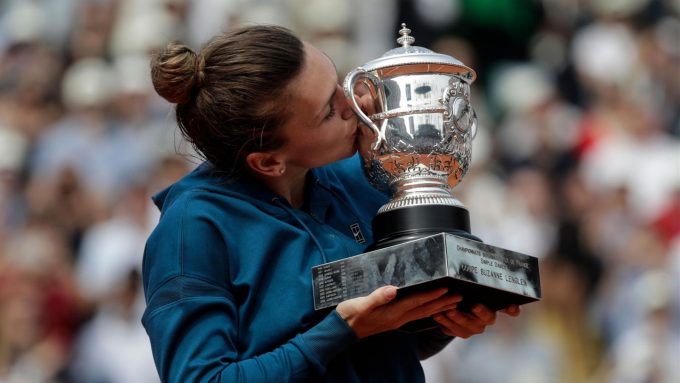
(266,164)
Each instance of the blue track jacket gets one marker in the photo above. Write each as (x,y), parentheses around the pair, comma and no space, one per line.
(227,279)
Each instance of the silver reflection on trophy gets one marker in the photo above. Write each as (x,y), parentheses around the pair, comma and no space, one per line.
(421,133)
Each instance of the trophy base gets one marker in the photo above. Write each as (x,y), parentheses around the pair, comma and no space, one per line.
(409,223)
(481,273)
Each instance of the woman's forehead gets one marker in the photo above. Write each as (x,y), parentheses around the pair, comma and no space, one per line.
(316,79)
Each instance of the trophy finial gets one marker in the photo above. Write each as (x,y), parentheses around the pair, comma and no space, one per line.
(405,40)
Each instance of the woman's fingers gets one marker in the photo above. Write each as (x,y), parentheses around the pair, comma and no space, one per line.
(452,328)
(412,301)
(380,311)
(350,308)
(486,315)
(367,104)
(512,310)
(464,325)
(380,297)
(427,309)
(460,324)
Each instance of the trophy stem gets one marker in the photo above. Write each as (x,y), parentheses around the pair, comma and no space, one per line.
(419,191)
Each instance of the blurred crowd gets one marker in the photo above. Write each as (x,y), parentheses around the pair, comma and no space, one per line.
(576,161)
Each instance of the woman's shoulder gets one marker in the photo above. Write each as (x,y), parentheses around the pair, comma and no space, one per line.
(189,239)
(212,192)
(191,185)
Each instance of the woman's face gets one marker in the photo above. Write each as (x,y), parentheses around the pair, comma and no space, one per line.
(321,128)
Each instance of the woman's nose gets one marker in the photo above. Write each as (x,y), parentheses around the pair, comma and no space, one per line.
(347,112)
(344,108)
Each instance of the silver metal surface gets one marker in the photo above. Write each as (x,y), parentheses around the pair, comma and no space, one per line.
(411,59)
(419,136)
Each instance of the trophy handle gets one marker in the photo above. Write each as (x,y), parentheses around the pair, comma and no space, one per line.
(348,86)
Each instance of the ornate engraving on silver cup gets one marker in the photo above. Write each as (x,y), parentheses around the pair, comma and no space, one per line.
(418,140)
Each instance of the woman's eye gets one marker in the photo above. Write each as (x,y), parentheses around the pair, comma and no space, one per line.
(331,113)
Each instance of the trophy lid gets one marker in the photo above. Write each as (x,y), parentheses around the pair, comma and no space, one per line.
(408,59)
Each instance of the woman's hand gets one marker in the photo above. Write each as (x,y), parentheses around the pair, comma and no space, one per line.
(379,312)
(464,325)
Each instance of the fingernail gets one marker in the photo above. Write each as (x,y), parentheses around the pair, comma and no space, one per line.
(390,292)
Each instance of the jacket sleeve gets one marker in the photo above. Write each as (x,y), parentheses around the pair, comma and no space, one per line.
(194,340)
(430,342)
(192,311)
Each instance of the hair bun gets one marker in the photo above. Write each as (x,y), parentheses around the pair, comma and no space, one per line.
(175,72)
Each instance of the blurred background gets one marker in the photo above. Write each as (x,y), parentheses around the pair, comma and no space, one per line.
(577,161)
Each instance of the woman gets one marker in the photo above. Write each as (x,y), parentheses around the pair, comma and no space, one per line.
(227,270)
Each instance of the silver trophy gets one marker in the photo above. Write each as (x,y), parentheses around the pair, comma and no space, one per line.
(417,143)
(420,138)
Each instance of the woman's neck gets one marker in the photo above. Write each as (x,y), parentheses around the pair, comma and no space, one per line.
(290,186)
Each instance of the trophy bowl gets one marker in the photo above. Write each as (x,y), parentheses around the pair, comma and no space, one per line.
(419,140)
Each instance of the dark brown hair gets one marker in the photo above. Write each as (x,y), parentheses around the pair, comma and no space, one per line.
(231,96)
